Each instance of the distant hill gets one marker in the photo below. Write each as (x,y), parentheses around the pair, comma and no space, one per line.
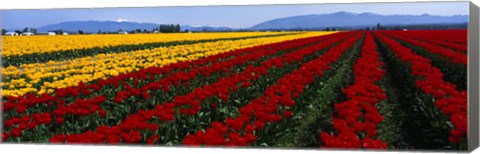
(95,26)
(346,19)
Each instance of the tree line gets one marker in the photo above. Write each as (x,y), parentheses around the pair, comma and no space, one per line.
(162,28)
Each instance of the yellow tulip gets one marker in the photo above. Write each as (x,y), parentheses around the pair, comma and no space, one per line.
(15,46)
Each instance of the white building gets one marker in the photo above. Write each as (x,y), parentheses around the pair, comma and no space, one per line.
(27,34)
(122,32)
(64,33)
(11,34)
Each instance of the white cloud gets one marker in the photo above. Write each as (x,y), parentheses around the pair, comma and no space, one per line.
(121,20)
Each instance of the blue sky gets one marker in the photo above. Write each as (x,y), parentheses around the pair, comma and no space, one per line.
(232,16)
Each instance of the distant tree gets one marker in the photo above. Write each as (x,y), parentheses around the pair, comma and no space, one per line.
(81,32)
(33,30)
(18,31)
(58,31)
(138,31)
(25,29)
(204,30)
(99,31)
(379,26)
(4,31)
(186,30)
(145,31)
(177,28)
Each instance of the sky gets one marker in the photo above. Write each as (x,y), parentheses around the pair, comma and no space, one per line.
(231,16)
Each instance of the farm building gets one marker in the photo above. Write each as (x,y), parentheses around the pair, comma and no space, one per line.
(27,34)
(11,34)
(122,32)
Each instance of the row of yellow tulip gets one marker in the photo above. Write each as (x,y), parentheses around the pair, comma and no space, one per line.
(59,74)
(16,46)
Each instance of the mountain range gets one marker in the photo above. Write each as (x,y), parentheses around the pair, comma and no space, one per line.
(338,19)
(95,26)
(346,19)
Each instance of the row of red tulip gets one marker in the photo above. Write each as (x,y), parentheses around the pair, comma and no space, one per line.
(448,99)
(453,39)
(432,37)
(190,103)
(271,107)
(22,103)
(83,107)
(359,114)
(452,56)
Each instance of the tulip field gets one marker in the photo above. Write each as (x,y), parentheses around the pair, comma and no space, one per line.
(382,89)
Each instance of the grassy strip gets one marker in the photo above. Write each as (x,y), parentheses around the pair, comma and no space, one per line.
(389,130)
